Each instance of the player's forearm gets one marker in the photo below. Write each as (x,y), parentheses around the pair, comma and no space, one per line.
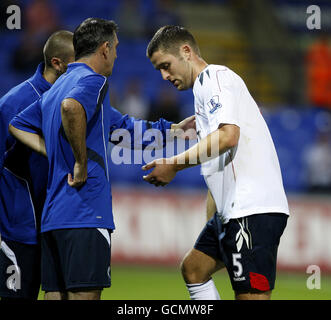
(32,140)
(208,148)
(74,124)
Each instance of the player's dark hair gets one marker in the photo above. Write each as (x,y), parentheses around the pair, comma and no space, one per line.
(58,45)
(91,34)
(169,39)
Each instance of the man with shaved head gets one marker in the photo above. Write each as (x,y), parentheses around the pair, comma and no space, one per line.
(23,178)
(58,52)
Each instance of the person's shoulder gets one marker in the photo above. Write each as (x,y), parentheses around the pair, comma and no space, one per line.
(18,92)
(78,80)
(84,73)
(224,76)
(93,77)
(23,93)
(212,78)
(216,70)
(91,82)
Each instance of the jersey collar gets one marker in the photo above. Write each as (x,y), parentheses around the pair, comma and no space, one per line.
(201,75)
(39,82)
(73,65)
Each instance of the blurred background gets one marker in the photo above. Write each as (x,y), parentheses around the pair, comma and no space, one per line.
(287,69)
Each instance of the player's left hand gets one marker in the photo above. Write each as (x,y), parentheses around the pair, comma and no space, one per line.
(186,129)
(163,173)
(79,177)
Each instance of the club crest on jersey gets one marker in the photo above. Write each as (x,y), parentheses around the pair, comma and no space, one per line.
(214,104)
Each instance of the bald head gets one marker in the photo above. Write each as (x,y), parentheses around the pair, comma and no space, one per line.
(59,46)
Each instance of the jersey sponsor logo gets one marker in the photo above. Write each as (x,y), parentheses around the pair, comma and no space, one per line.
(214,104)
(239,279)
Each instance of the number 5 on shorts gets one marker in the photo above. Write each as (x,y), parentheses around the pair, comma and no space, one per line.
(237,263)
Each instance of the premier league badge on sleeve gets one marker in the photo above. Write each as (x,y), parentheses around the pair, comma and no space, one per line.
(214,104)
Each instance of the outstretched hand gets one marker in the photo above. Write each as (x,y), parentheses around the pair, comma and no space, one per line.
(163,173)
(186,129)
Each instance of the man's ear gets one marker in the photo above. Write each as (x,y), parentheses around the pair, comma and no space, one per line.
(56,63)
(104,49)
(186,51)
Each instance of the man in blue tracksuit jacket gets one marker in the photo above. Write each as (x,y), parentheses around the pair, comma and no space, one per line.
(23,178)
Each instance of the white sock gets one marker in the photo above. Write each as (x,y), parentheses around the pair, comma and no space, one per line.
(203,291)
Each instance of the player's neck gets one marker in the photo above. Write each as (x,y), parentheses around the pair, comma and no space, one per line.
(49,75)
(199,65)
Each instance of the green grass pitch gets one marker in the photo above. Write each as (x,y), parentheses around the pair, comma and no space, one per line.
(165,283)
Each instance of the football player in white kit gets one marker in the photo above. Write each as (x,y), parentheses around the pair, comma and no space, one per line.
(240,166)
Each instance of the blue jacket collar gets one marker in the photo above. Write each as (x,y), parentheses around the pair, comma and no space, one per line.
(38,81)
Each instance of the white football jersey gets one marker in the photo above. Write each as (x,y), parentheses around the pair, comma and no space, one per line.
(246,179)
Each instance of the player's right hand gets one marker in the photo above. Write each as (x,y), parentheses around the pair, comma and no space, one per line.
(163,172)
